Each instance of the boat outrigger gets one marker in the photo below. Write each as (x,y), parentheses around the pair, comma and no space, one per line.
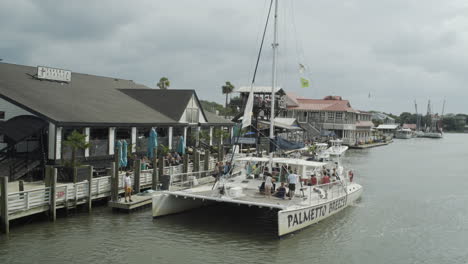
(311,204)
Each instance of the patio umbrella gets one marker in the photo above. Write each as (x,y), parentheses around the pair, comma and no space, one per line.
(181,145)
(152,142)
(119,149)
(123,159)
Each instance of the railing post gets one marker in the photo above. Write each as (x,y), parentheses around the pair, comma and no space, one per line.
(220,152)
(90,192)
(207,162)
(5,223)
(21,186)
(137,174)
(196,161)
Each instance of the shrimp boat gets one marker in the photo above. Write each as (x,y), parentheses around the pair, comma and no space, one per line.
(242,185)
(310,205)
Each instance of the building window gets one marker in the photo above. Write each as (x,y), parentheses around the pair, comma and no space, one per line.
(322,116)
(330,115)
(302,117)
(339,116)
(2,115)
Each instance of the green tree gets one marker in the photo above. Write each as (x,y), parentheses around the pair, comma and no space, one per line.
(227,89)
(163,83)
(76,141)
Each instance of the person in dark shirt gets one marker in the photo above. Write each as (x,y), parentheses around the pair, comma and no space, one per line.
(280,192)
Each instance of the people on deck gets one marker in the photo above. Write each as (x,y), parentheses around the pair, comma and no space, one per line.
(268,184)
(280,192)
(293,179)
(313,180)
(325,179)
(350,175)
(128,187)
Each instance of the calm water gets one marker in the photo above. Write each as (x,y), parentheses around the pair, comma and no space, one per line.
(414,210)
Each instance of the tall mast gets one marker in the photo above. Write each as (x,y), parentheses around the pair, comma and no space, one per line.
(273,86)
(443,109)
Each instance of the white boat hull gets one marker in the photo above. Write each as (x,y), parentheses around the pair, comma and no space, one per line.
(403,136)
(165,204)
(291,220)
(432,135)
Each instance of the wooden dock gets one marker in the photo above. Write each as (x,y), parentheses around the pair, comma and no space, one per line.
(48,196)
(373,145)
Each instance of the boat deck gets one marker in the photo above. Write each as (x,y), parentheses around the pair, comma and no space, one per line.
(252,197)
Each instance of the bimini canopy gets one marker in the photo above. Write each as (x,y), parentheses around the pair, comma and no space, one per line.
(299,162)
(253,159)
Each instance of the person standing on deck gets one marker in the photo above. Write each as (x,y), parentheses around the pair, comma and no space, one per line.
(128,187)
(268,184)
(292,181)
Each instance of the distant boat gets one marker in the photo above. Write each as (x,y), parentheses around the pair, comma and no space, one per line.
(337,148)
(404,133)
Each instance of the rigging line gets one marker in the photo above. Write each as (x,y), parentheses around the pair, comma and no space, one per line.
(260,21)
(261,44)
(253,81)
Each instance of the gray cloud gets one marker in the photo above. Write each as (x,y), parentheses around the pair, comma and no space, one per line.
(394,50)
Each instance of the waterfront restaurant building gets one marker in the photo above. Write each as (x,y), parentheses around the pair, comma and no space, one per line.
(331,116)
(41,106)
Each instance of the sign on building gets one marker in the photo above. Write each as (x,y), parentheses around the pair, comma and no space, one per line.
(53,74)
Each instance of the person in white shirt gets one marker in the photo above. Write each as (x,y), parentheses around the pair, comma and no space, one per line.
(293,179)
(268,184)
(128,187)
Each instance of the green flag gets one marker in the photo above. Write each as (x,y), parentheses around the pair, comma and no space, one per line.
(304,83)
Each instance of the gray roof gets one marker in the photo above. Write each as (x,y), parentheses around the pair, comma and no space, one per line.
(215,119)
(171,103)
(87,99)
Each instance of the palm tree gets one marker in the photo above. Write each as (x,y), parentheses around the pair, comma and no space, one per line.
(76,141)
(163,83)
(227,89)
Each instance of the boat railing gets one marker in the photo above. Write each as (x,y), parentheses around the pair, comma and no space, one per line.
(319,192)
(181,181)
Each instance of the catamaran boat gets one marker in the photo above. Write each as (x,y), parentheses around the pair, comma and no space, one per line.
(337,148)
(404,133)
(242,185)
(309,205)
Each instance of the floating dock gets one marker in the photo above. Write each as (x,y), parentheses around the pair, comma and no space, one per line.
(138,201)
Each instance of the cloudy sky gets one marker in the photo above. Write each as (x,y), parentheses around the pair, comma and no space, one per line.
(396,51)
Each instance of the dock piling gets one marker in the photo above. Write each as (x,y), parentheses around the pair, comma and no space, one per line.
(155,175)
(115,182)
(5,224)
(186,162)
(136,175)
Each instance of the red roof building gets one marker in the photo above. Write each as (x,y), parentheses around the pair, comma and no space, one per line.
(330,114)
